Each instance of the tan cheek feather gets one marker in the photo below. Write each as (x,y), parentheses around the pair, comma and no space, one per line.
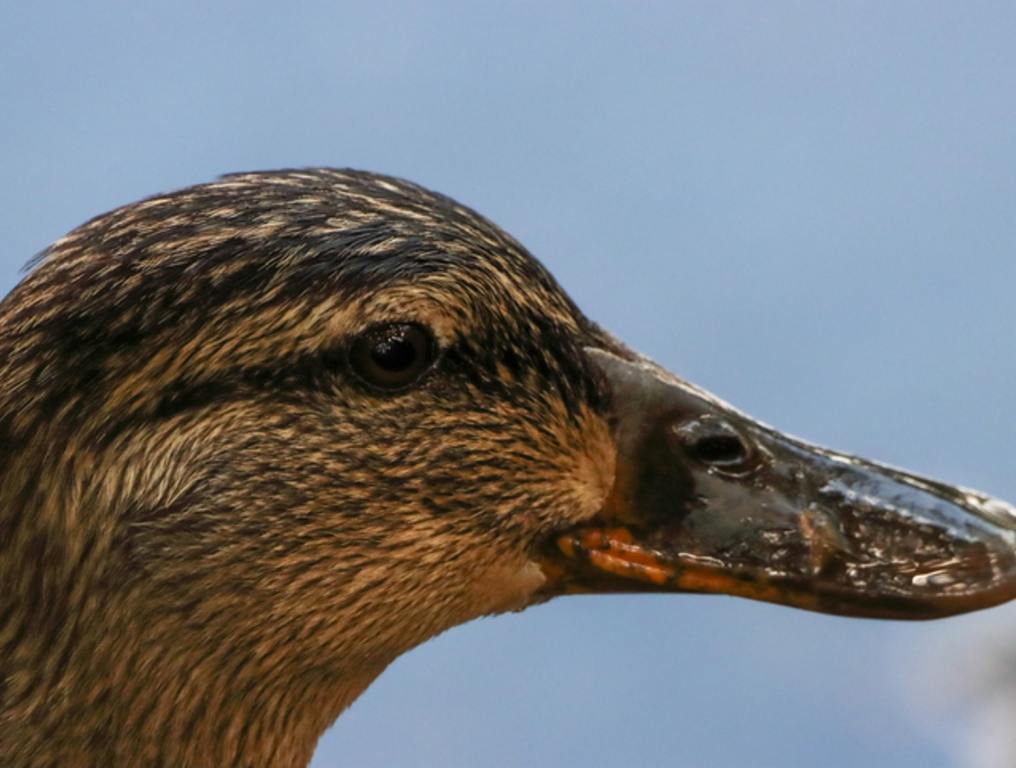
(589,475)
(507,587)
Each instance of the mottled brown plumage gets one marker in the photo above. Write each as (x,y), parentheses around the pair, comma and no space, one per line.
(261,436)
(214,535)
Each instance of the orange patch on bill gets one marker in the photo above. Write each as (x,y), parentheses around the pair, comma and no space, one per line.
(613,551)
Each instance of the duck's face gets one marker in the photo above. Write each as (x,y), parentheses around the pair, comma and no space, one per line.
(335,414)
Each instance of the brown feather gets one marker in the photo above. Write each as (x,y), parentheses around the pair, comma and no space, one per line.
(213,536)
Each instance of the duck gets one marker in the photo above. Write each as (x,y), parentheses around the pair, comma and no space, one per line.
(261,436)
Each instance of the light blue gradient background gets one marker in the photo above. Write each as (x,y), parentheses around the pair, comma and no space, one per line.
(808,208)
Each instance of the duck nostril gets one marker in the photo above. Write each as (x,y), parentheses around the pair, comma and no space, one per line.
(722,450)
(715,443)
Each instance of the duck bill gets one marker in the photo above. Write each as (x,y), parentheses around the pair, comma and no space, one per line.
(707,500)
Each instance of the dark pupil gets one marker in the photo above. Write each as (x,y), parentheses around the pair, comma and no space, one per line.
(393,352)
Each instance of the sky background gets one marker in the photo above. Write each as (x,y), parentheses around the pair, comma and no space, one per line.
(808,208)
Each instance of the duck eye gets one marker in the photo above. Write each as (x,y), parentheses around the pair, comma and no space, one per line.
(392,356)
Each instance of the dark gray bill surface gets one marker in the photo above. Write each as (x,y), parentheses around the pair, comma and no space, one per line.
(707,499)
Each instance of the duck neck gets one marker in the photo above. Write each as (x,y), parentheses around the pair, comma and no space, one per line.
(136,693)
(110,658)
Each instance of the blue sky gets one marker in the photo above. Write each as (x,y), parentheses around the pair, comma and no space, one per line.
(807,208)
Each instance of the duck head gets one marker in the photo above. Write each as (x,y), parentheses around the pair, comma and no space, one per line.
(261,436)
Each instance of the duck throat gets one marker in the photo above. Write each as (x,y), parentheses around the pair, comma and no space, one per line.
(130,692)
(99,666)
